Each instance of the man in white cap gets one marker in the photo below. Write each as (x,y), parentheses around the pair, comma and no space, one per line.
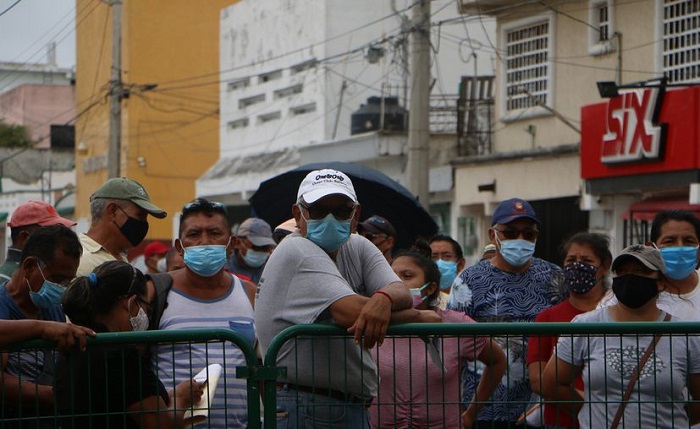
(324,273)
(27,218)
(119,209)
(252,246)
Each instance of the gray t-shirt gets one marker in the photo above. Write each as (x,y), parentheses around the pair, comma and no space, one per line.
(298,285)
(608,364)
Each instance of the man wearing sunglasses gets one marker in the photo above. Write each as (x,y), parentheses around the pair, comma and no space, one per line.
(119,210)
(252,246)
(325,273)
(513,286)
(381,233)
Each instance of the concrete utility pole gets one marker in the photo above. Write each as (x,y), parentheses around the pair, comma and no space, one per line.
(115,93)
(418,116)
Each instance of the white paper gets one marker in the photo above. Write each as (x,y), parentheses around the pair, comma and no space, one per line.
(200,410)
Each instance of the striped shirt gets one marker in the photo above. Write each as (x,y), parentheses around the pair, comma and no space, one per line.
(179,362)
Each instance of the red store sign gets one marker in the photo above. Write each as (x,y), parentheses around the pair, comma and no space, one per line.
(641,131)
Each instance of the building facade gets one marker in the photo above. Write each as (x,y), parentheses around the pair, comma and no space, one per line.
(552,56)
(170,99)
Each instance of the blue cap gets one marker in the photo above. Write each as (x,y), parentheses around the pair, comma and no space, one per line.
(512,209)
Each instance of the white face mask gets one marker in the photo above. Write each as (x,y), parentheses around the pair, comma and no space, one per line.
(139,322)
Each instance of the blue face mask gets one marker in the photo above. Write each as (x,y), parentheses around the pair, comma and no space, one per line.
(516,252)
(448,272)
(205,260)
(328,233)
(49,295)
(680,261)
(254,258)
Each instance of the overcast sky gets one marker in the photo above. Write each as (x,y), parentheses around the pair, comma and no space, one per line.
(28,27)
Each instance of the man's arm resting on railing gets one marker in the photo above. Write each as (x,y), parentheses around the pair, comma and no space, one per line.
(557,384)
(369,317)
(495,360)
(65,334)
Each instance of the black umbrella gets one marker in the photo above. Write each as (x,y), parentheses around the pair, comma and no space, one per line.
(378,194)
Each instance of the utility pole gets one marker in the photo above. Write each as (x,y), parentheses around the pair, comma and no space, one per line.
(418,116)
(115,93)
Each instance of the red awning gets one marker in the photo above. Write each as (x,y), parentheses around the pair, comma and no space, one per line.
(647,209)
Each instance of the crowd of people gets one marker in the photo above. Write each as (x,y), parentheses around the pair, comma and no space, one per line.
(326,266)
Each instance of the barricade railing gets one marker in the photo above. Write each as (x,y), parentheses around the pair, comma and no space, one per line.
(407,353)
(319,371)
(192,350)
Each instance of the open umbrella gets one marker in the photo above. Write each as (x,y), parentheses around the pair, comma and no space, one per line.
(378,194)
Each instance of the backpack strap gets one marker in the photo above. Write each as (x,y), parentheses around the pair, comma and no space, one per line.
(163,283)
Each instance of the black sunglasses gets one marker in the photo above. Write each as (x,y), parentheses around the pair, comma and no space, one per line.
(202,205)
(370,236)
(342,212)
(512,234)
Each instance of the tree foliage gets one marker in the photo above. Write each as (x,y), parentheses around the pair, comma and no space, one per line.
(14,136)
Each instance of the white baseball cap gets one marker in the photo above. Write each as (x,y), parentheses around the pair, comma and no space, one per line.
(320,183)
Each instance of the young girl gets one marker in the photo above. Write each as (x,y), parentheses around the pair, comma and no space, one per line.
(115,386)
(414,391)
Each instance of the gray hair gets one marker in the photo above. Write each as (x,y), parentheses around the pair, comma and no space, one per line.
(97,206)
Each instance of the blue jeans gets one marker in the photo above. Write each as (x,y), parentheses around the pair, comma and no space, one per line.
(296,410)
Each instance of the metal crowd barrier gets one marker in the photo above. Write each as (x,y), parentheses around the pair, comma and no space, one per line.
(328,360)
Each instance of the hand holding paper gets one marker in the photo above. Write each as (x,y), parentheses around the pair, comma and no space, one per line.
(200,410)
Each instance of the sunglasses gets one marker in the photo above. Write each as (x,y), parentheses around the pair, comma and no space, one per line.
(343,212)
(370,236)
(202,205)
(512,234)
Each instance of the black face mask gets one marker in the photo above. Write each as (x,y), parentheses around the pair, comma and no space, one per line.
(634,291)
(134,230)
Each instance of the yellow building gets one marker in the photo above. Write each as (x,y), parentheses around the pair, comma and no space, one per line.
(170,132)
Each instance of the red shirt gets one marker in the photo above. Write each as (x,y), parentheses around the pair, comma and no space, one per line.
(540,348)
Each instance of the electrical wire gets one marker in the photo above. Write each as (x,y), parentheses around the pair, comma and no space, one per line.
(10,7)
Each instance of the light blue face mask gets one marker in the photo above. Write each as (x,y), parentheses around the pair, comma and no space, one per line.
(205,260)
(49,295)
(417,295)
(328,233)
(516,252)
(448,272)
(680,261)
(254,258)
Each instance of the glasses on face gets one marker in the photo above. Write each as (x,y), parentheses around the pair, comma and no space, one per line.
(512,234)
(202,205)
(371,237)
(342,212)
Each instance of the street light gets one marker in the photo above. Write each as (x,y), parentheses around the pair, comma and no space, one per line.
(610,89)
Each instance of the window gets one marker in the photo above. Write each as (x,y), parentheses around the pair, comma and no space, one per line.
(286,92)
(306,65)
(681,40)
(238,123)
(527,65)
(267,117)
(600,27)
(266,77)
(305,108)
(245,102)
(239,84)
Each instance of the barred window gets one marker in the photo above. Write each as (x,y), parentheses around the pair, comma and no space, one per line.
(681,40)
(527,66)
(603,23)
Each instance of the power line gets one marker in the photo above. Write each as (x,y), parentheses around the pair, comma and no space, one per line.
(10,7)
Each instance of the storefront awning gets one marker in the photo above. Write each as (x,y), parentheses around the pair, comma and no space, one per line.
(648,208)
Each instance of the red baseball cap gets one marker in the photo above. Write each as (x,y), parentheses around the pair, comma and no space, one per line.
(155,248)
(37,213)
